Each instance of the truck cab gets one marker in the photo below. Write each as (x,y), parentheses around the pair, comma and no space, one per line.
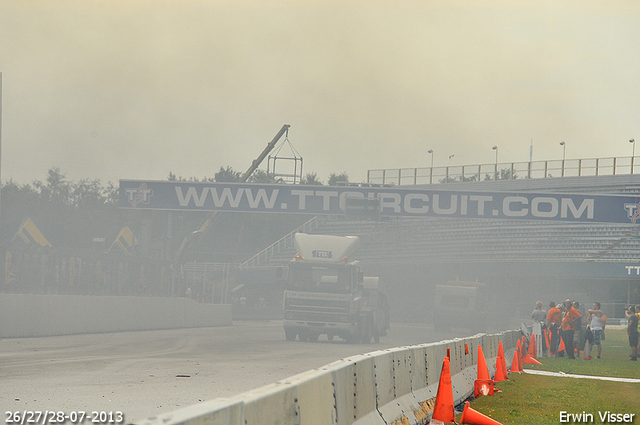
(459,304)
(326,292)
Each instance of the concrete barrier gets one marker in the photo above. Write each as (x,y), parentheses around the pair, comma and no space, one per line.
(397,385)
(47,315)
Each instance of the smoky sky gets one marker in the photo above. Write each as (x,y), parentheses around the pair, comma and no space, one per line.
(116,89)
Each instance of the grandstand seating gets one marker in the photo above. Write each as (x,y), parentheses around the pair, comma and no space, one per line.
(423,240)
(435,240)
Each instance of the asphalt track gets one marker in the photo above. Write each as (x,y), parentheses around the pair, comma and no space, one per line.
(146,373)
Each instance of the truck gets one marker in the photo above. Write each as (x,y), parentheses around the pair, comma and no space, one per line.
(460,304)
(326,293)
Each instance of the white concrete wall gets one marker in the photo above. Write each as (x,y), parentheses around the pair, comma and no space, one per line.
(391,386)
(47,315)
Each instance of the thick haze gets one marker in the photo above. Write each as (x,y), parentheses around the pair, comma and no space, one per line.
(119,89)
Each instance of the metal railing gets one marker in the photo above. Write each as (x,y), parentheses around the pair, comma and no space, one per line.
(263,257)
(213,277)
(506,171)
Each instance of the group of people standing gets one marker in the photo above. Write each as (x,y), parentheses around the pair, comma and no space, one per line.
(565,324)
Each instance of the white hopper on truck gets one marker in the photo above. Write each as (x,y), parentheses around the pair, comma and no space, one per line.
(327,294)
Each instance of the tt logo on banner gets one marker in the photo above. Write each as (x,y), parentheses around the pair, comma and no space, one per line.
(141,195)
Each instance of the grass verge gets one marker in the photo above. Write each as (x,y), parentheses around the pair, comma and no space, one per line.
(535,399)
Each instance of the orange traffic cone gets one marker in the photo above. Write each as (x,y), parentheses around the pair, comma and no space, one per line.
(546,343)
(532,347)
(514,363)
(444,410)
(520,363)
(561,348)
(505,372)
(530,360)
(550,337)
(466,349)
(473,417)
(483,384)
(483,370)
(499,375)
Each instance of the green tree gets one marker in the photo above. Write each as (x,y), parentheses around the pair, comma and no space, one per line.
(448,179)
(227,175)
(18,202)
(173,178)
(261,176)
(503,174)
(335,179)
(56,189)
(311,179)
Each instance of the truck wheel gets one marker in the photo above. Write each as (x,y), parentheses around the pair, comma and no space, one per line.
(313,337)
(303,336)
(290,334)
(330,337)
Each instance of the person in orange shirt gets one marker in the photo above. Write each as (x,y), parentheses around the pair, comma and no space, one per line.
(554,319)
(569,321)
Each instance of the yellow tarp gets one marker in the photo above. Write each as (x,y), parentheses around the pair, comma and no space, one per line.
(125,241)
(30,233)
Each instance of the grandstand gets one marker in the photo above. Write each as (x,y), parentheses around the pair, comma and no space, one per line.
(522,260)
(429,240)
(420,240)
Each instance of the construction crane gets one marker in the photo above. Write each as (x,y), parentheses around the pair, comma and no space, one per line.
(196,236)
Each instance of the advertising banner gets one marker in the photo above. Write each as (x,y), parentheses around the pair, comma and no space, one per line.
(391,201)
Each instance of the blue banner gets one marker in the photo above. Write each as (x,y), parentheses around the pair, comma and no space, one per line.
(393,201)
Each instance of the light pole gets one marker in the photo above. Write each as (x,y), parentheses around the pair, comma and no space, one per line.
(0,124)
(633,152)
(495,148)
(564,150)
(431,169)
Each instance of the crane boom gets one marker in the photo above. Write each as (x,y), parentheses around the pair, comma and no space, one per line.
(256,162)
(198,234)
